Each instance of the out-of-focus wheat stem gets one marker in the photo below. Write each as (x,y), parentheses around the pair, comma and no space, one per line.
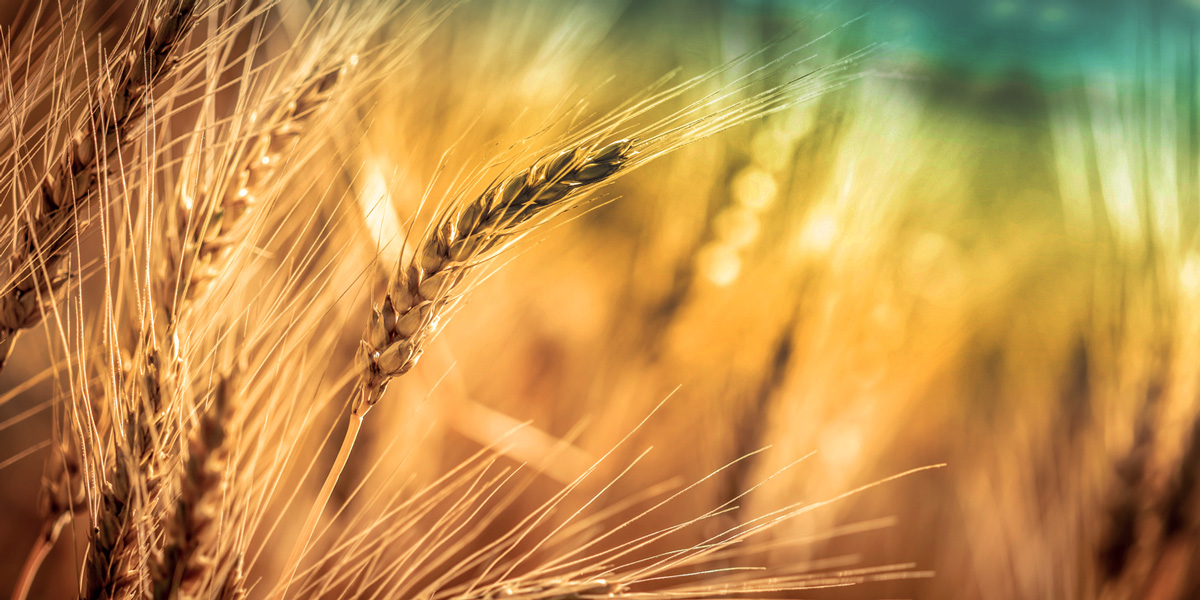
(33,562)
(62,495)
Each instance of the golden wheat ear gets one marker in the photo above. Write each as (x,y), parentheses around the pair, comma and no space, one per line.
(117,101)
(428,286)
(465,236)
(464,240)
(211,223)
(189,560)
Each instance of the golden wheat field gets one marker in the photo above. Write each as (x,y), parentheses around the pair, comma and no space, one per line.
(599,299)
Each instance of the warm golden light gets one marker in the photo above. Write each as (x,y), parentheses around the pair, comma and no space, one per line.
(719,263)
(754,188)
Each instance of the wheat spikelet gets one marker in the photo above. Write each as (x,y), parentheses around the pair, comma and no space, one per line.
(463,240)
(211,223)
(187,561)
(116,106)
(105,558)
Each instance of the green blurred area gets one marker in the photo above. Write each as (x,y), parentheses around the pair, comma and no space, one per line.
(1049,39)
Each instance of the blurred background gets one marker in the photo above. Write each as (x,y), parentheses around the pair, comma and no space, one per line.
(982,253)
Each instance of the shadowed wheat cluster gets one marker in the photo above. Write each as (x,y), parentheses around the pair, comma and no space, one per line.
(664,300)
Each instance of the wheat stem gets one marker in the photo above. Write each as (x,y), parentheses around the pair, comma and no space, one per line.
(318,507)
(33,562)
(63,494)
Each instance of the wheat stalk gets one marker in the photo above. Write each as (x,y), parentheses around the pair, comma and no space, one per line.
(186,561)
(116,106)
(467,236)
(200,250)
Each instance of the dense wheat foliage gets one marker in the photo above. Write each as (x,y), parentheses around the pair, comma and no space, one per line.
(662,300)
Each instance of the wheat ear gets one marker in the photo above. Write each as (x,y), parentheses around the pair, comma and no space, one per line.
(201,248)
(116,105)
(206,247)
(428,286)
(462,240)
(197,252)
(136,474)
(186,561)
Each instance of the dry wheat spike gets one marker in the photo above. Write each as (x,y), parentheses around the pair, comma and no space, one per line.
(116,105)
(209,223)
(464,236)
(115,562)
(189,555)
(465,239)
